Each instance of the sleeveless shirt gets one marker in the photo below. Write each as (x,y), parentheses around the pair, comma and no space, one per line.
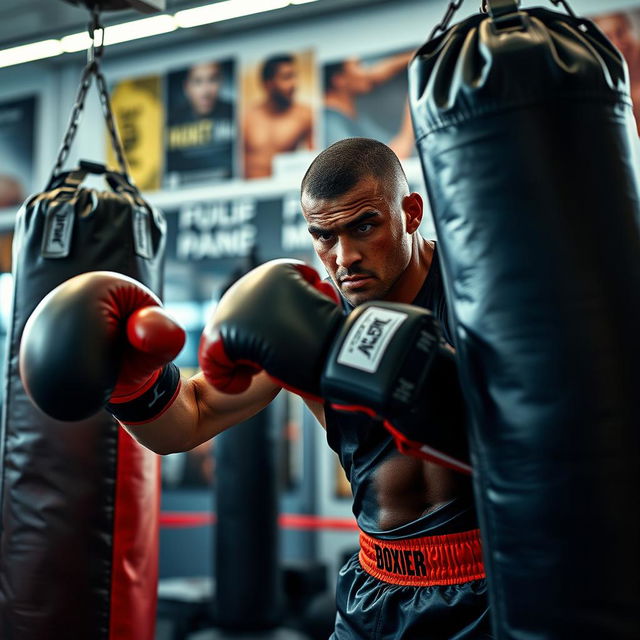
(363,445)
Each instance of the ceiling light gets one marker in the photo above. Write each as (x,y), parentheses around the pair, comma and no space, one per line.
(139,29)
(121,33)
(226,10)
(216,12)
(30,52)
(76,42)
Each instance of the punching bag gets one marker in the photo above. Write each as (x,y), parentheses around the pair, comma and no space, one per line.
(246,546)
(80,501)
(246,543)
(525,132)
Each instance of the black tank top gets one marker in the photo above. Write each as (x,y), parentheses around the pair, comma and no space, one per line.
(362,446)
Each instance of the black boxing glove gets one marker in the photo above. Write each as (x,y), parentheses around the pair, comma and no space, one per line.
(283,318)
(100,338)
(280,317)
(390,362)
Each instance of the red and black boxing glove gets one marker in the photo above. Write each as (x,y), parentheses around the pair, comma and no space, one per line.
(98,340)
(281,317)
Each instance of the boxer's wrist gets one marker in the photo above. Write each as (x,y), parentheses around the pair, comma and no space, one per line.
(153,402)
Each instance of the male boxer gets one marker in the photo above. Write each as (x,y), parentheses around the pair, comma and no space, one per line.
(419,573)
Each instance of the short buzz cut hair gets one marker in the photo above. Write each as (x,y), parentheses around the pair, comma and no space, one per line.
(270,65)
(345,163)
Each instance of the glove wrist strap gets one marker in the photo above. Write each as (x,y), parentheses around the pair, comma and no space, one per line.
(153,402)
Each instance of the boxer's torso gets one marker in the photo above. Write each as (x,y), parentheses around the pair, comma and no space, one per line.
(396,496)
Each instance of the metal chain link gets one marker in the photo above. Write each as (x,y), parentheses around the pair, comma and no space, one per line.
(566,7)
(105,101)
(443,25)
(92,69)
(74,120)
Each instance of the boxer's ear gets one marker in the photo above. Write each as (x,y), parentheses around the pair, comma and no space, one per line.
(413,209)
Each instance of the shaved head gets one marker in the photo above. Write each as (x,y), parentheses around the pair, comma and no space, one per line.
(344,164)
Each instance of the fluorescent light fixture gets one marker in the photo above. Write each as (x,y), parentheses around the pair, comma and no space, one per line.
(121,33)
(226,10)
(76,42)
(30,52)
(139,29)
(216,12)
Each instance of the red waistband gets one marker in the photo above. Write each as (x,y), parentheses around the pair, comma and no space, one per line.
(432,560)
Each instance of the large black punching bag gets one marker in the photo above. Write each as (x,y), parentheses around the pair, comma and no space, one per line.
(79,501)
(525,131)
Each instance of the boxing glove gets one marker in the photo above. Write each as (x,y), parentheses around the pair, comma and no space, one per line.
(384,359)
(389,361)
(280,317)
(100,339)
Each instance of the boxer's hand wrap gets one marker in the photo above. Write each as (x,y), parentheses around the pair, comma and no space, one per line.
(388,361)
(281,318)
(97,337)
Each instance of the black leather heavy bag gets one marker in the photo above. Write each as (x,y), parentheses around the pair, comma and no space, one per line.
(525,132)
(79,500)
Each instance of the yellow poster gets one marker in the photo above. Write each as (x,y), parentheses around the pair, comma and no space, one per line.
(139,114)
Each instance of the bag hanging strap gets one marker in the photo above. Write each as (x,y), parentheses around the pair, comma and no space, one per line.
(493,7)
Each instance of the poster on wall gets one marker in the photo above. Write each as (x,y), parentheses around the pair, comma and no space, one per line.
(623,29)
(201,129)
(208,242)
(279,99)
(17,140)
(367,97)
(139,113)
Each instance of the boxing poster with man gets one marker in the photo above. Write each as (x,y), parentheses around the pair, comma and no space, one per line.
(201,123)
(279,98)
(367,97)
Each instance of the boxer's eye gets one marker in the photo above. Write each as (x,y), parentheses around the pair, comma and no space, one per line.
(363,228)
(324,236)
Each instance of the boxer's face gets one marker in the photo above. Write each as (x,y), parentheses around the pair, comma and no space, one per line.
(362,238)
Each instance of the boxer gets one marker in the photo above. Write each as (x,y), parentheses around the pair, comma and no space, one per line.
(419,571)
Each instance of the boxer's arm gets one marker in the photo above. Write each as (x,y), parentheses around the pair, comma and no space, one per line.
(201,412)
(240,345)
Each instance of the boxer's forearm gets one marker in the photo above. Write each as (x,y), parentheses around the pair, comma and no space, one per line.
(200,412)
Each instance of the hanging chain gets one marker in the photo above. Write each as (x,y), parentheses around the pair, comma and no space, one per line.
(443,25)
(566,7)
(92,68)
(105,101)
(74,120)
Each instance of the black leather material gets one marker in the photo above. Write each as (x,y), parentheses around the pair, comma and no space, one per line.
(57,481)
(526,134)
(275,318)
